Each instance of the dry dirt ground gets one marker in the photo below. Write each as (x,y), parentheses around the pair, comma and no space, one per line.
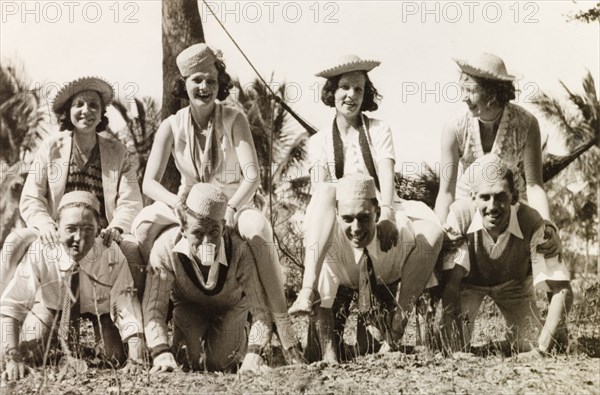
(419,372)
(416,370)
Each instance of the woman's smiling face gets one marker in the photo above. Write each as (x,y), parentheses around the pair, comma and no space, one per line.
(476,98)
(350,93)
(86,110)
(202,87)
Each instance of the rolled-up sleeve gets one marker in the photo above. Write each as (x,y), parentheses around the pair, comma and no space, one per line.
(544,269)
(157,293)
(460,256)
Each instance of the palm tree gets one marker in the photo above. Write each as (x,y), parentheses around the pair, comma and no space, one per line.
(24,122)
(579,123)
(142,119)
(283,193)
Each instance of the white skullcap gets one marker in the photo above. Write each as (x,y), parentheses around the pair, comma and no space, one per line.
(207,201)
(87,198)
(356,187)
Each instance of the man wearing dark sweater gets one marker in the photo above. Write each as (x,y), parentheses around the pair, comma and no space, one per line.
(498,259)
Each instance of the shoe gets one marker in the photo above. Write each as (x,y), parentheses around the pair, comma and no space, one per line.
(303,305)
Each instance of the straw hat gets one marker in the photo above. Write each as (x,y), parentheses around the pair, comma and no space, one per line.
(195,58)
(486,65)
(82,84)
(348,63)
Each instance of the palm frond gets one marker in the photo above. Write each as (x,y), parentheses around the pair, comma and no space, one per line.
(552,109)
(24,118)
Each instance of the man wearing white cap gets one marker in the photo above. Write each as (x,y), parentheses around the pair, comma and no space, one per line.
(208,272)
(498,259)
(355,261)
(78,275)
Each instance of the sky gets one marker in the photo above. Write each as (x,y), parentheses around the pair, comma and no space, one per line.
(57,41)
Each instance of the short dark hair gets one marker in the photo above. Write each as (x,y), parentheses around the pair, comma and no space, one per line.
(64,116)
(370,98)
(223,79)
(497,91)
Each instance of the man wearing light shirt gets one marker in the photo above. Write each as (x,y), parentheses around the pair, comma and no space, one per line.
(388,285)
(498,258)
(208,272)
(105,293)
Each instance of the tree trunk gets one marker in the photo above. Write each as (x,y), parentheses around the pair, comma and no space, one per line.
(598,230)
(181,27)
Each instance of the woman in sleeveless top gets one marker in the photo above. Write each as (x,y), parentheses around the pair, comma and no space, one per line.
(491,124)
(355,143)
(79,158)
(212,143)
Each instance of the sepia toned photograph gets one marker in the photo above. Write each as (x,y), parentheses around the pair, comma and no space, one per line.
(299,197)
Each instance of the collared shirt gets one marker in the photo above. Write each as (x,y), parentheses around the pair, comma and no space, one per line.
(341,265)
(183,247)
(372,248)
(543,268)
(322,159)
(169,279)
(106,285)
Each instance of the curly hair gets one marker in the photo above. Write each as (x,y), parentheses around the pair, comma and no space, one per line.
(223,79)
(495,91)
(64,116)
(370,98)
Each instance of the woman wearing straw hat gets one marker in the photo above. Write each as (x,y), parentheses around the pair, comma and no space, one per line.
(492,124)
(355,143)
(79,158)
(212,143)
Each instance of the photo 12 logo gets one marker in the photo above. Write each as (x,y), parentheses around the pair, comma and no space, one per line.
(469,11)
(452,92)
(69,11)
(270,11)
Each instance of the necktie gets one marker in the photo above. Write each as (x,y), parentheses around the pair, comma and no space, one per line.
(367,281)
(70,309)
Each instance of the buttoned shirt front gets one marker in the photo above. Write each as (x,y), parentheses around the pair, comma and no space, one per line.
(105,284)
(341,265)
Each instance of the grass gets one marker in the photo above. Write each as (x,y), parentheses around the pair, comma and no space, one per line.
(416,370)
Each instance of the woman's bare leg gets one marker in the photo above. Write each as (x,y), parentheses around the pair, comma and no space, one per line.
(319,221)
